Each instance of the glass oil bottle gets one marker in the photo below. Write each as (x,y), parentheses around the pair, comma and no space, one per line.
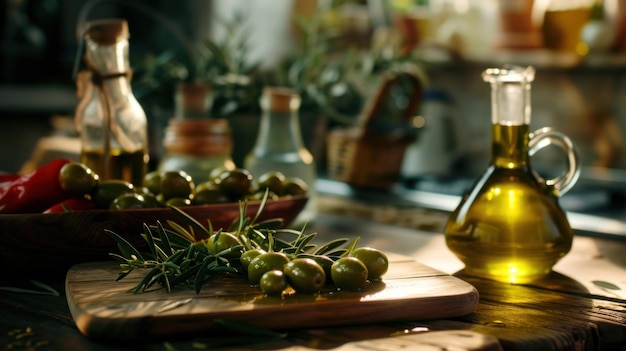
(111,122)
(279,145)
(510,227)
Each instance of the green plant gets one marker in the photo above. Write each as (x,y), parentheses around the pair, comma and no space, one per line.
(155,78)
(236,83)
(325,80)
(336,83)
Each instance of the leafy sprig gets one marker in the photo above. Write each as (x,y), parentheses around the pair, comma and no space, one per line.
(179,255)
(44,289)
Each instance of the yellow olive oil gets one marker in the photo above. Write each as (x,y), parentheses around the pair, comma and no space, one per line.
(129,166)
(509,226)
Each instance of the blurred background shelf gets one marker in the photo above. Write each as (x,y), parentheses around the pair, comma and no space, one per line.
(581,95)
(36,99)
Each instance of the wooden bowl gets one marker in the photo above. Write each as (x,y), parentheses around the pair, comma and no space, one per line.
(44,244)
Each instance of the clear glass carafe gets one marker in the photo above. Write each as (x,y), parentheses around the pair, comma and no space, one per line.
(510,226)
(111,122)
(279,145)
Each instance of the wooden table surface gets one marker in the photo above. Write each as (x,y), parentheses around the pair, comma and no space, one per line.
(581,306)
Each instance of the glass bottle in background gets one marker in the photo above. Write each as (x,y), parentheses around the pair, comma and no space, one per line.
(112,124)
(509,225)
(194,142)
(279,145)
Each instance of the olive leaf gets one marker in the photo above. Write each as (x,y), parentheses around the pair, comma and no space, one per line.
(45,289)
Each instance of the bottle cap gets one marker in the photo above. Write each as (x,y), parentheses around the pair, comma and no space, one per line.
(279,99)
(107,31)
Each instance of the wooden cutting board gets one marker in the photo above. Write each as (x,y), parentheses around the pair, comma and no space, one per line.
(104,309)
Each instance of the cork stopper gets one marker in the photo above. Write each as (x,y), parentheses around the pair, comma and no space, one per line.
(107,31)
(280,99)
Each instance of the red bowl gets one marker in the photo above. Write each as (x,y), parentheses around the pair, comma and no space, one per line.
(44,244)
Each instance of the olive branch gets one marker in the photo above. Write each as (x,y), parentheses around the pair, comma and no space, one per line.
(182,255)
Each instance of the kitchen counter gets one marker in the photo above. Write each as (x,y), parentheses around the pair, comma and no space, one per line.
(582,305)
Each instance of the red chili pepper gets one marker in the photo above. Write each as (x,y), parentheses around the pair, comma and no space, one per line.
(34,192)
(73,204)
(8,177)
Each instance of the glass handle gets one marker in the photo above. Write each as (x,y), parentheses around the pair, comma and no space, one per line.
(547,136)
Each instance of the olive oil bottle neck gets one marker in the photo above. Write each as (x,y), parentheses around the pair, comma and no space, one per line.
(510,145)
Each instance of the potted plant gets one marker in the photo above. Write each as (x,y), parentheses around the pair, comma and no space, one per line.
(334,85)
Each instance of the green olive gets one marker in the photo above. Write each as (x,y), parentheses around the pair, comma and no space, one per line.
(349,273)
(208,193)
(151,200)
(176,184)
(215,173)
(375,260)
(149,196)
(326,263)
(249,255)
(305,275)
(159,198)
(236,183)
(129,201)
(265,263)
(273,282)
(295,186)
(77,179)
(274,181)
(223,241)
(107,190)
(152,181)
(142,190)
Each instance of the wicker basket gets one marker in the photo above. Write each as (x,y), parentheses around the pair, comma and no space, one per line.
(369,156)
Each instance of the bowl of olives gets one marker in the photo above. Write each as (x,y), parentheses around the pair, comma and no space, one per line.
(70,235)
